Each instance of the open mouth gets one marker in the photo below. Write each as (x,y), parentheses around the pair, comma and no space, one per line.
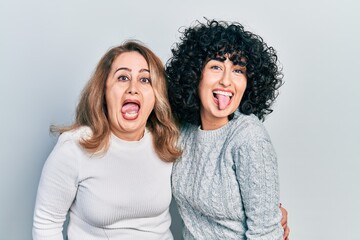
(130,109)
(222,98)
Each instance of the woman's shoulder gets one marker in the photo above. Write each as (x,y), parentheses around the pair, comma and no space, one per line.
(77,134)
(68,151)
(72,138)
(187,131)
(248,126)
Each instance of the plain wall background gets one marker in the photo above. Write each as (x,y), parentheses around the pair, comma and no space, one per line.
(48,50)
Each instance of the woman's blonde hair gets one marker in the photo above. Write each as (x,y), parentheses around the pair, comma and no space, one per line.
(91,110)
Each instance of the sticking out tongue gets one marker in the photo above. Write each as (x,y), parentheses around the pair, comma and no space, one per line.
(130,108)
(223,101)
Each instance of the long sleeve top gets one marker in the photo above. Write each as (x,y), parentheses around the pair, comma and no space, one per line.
(123,193)
(226,182)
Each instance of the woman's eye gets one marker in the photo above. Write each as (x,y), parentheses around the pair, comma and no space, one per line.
(215,67)
(145,80)
(240,70)
(123,78)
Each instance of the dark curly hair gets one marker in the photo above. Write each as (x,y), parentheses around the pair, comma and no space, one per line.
(213,40)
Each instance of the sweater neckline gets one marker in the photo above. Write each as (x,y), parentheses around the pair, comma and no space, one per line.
(130,144)
(216,134)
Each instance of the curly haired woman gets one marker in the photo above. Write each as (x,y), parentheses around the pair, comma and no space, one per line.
(222,82)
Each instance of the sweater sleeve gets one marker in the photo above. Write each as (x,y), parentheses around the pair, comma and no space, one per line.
(56,191)
(257,175)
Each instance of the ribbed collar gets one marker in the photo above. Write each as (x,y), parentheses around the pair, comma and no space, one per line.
(118,142)
(217,134)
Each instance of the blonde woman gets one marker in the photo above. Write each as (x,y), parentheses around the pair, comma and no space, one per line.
(111,169)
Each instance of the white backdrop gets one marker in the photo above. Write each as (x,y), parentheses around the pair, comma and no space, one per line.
(48,50)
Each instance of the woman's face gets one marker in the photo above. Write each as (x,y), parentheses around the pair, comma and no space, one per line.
(129,96)
(221,88)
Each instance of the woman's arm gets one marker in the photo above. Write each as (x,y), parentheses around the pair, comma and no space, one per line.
(257,174)
(56,192)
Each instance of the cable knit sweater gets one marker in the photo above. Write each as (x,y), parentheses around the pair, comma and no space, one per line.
(122,194)
(226,182)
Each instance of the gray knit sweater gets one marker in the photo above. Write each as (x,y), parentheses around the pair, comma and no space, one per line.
(226,182)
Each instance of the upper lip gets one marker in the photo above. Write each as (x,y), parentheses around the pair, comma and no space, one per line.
(132,101)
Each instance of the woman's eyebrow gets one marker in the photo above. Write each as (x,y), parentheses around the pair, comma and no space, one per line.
(123,68)
(130,70)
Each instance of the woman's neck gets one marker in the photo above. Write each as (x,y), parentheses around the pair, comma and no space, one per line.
(212,124)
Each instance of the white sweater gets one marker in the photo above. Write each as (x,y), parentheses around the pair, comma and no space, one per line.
(123,194)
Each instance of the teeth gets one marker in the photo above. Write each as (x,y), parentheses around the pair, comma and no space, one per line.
(223,93)
(130,114)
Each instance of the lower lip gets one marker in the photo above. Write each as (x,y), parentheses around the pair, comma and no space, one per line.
(130,116)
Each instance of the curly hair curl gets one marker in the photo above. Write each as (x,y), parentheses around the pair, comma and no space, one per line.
(214,40)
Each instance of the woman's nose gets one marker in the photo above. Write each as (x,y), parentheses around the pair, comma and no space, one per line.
(132,87)
(225,79)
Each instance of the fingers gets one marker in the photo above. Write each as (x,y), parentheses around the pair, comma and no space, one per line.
(286,232)
(284,224)
(284,216)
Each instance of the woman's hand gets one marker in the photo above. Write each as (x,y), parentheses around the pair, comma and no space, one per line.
(284,222)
